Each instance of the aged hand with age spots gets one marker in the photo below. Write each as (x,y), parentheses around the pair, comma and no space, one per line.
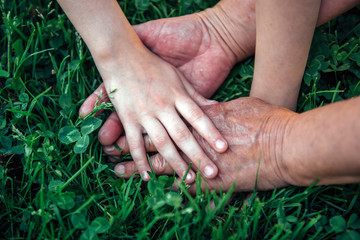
(119,129)
(286,147)
(254,131)
(203,46)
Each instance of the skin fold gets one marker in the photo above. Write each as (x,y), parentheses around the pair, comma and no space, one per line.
(288,148)
(245,124)
(224,34)
(205,46)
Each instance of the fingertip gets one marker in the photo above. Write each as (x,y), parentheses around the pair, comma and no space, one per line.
(221,145)
(145,176)
(85,109)
(125,169)
(108,149)
(111,150)
(174,187)
(210,171)
(111,130)
(190,177)
(120,170)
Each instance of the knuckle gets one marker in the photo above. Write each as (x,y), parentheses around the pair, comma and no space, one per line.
(123,144)
(130,168)
(182,134)
(196,114)
(160,141)
(133,145)
(159,163)
(198,158)
(137,156)
(136,150)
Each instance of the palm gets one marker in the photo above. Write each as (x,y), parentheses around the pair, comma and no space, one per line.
(189,45)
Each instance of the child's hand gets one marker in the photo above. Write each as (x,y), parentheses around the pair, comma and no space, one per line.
(151,96)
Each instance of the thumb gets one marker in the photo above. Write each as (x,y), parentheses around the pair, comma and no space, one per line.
(147,32)
(96,98)
(196,96)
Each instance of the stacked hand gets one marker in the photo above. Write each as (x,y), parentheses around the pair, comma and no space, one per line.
(252,128)
(202,48)
(199,51)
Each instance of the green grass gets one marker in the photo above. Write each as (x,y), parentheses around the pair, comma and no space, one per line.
(48,191)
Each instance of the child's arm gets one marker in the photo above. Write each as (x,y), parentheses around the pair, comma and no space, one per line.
(284,30)
(149,95)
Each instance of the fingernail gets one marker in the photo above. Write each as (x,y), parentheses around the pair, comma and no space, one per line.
(81,110)
(84,109)
(109,148)
(101,132)
(209,171)
(211,101)
(120,169)
(188,176)
(220,144)
(145,176)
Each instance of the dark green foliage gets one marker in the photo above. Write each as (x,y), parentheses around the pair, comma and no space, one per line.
(56,184)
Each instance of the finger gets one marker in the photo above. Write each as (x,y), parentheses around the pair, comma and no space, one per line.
(137,150)
(97,97)
(161,140)
(184,139)
(202,124)
(161,167)
(124,146)
(112,150)
(145,31)
(114,159)
(192,189)
(111,130)
(196,96)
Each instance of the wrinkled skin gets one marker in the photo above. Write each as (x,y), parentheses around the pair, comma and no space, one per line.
(193,45)
(254,131)
(186,43)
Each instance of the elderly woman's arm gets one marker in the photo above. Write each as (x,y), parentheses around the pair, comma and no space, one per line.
(324,144)
(282,147)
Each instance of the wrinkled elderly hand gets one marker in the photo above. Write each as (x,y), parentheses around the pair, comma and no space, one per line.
(202,46)
(255,132)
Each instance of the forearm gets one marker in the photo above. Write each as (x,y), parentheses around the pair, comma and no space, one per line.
(324,144)
(103,26)
(284,32)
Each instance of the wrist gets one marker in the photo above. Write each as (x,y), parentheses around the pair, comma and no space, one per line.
(294,155)
(233,23)
(270,92)
(117,52)
(273,140)
(111,60)
(322,144)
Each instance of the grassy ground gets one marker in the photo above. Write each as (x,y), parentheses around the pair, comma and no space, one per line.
(53,190)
